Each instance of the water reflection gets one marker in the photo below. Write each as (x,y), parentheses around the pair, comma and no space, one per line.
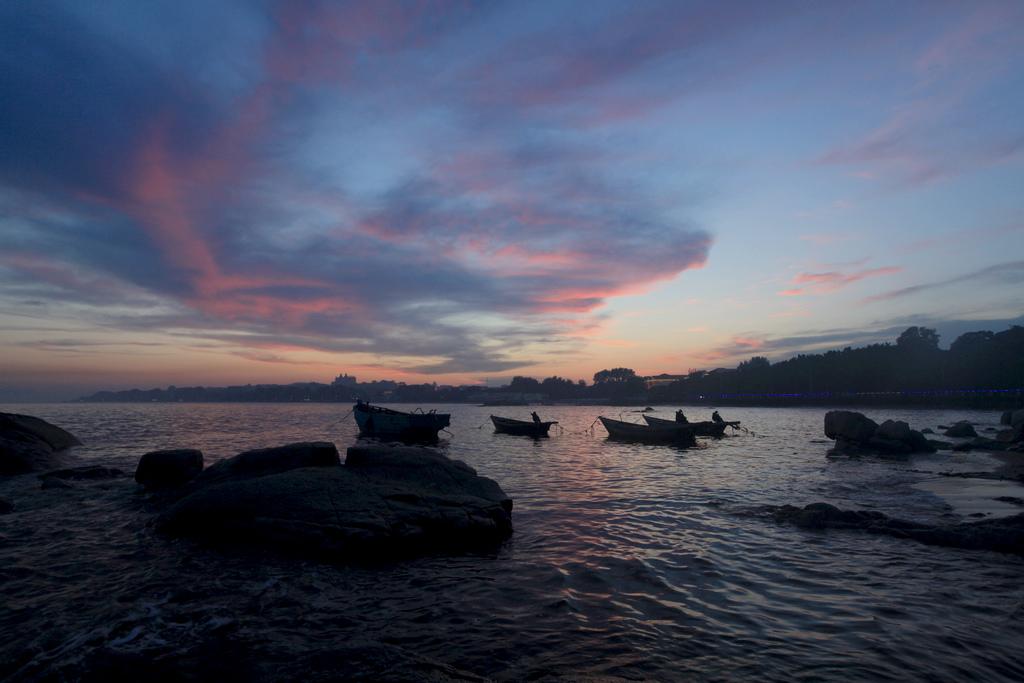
(627,559)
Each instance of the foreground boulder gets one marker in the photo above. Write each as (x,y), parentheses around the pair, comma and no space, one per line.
(962,429)
(264,461)
(855,433)
(1013,418)
(1005,534)
(29,444)
(169,468)
(384,502)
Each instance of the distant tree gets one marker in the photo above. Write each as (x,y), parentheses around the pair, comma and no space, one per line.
(524,385)
(618,382)
(755,363)
(616,376)
(971,343)
(918,339)
(1008,355)
(556,387)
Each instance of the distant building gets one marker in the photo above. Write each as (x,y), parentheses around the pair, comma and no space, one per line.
(344,381)
(662,379)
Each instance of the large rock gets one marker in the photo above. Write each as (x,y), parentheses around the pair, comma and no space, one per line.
(961,429)
(384,502)
(1012,435)
(263,461)
(855,433)
(29,444)
(1013,418)
(169,468)
(849,425)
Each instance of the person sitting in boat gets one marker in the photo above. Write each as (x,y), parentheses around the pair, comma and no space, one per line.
(716,417)
(536,418)
(680,417)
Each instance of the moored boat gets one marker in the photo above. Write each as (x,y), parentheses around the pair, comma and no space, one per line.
(678,434)
(506,425)
(414,426)
(707,428)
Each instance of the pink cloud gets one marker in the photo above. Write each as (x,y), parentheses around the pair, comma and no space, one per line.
(924,137)
(824,283)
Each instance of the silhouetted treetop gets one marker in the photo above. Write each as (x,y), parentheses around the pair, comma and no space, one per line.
(755,363)
(918,339)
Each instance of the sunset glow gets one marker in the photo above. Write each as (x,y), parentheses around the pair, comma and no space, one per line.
(287,191)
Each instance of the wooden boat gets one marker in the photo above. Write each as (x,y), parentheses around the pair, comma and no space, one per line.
(708,428)
(414,426)
(506,425)
(678,434)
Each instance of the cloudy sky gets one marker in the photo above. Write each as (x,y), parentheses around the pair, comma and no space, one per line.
(197,193)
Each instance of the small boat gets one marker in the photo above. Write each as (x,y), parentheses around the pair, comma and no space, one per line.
(414,426)
(679,434)
(506,425)
(707,428)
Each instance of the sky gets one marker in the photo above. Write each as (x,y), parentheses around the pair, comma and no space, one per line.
(211,194)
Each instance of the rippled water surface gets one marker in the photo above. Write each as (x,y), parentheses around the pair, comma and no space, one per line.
(646,562)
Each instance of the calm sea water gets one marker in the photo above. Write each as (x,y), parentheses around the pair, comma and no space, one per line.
(645,562)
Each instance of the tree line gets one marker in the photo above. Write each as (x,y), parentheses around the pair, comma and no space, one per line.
(980,368)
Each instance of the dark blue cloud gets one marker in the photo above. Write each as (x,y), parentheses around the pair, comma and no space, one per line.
(74,105)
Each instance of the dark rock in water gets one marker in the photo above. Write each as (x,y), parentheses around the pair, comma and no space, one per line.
(384,502)
(1012,435)
(985,444)
(29,444)
(1005,534)
(169,468)
(855,433)
(961,429)
(87,472)
(5,504)
(1013,418)
(56,483)
(849,425)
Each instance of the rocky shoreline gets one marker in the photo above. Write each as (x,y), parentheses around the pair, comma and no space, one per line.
(383,502)
(395,502)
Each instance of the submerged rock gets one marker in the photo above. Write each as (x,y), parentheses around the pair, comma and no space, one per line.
(1005,534)
(383,502)
(55,483)
(85,472)
(29,444)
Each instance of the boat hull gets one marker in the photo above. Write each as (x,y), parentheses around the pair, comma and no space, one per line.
(378,421)
(505,425)
(708,428)
(676,434)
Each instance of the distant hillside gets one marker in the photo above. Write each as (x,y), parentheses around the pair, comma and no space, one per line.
(980,369)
